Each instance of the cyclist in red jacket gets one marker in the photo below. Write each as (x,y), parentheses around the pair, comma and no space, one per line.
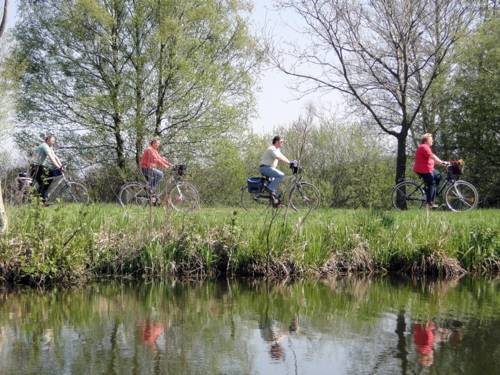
(424,167)
(150,162)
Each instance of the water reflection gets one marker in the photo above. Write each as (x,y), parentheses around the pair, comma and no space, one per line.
(151,331)
(342,326)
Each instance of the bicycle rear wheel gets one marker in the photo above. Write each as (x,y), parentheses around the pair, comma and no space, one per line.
(461,196)
(133,194)
(74,192)
(16,197)
(407,195)
(184,197)
(304,196)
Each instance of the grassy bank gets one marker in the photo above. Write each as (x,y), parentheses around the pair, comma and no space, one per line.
(69,244)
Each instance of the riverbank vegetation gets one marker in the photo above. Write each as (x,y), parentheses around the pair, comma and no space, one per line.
(75,244)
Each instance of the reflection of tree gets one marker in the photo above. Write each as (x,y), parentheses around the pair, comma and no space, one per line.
(402,352)
(112,358)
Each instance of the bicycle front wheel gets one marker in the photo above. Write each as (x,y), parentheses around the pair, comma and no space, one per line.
(184,197)
(461,196)
(407,195)
(74,192)
(304,196)
(133,194)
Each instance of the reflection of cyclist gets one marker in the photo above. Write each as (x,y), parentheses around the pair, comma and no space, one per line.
(150,162)
(151,330)
(269,162)
(424,167)
(423,336)
(46,165)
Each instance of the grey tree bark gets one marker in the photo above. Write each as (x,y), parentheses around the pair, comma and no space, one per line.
(3,214)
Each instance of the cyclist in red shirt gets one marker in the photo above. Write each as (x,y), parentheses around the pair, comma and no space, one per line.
(150,162)
(424,167)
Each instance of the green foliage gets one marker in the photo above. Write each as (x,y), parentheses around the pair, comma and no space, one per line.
(472,119)
(220,174)
(67,244)
(47,247)
(106,76)
(345,161)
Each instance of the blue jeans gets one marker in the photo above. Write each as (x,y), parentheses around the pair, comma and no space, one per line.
(153,176)
(431,182)
(275,174)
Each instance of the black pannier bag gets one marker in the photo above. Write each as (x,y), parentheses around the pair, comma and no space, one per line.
(255,184)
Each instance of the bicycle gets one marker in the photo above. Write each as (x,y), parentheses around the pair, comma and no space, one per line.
(182,195)
(61,189)
(459,195)
(297,195)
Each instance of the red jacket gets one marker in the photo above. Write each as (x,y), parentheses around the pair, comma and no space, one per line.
(152,159)
(424,163)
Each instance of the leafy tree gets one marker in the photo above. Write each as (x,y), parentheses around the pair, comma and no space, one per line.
(472,121)
(347,163)
(220,175)
(107,75)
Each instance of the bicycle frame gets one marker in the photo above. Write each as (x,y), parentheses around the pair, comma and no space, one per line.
(458,195)
(172,190)
(58,186)
(167,182)
(443,184)
(292,183)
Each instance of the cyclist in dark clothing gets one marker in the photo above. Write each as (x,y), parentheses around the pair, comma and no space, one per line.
(46,166)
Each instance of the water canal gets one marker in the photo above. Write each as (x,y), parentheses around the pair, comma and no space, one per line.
(343,326)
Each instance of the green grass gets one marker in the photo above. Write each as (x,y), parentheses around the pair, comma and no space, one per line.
(72,244)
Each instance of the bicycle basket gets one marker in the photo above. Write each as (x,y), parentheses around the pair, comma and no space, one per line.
(23,180)
(456,167)
(180,169)
(255,184)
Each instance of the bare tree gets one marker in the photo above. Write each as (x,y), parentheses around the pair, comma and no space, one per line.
(383,54)
(3,214)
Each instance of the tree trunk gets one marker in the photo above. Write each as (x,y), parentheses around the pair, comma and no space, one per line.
(120,153)
(3,22)
(3,214)
(402,352)
(401,156)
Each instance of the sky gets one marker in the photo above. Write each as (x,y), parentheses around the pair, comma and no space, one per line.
(277,104)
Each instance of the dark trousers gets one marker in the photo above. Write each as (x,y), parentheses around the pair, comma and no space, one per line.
(153,176)
(431,182)
(44,177)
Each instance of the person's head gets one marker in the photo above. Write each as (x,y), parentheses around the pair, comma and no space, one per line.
(155,142)
(276,351)
(50,139)
(427,138)
(427,359)
(278,141)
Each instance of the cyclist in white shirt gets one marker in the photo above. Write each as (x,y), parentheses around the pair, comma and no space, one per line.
(269,162)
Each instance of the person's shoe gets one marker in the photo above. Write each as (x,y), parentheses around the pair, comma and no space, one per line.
(153,199)
(432,206)
(275,200)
